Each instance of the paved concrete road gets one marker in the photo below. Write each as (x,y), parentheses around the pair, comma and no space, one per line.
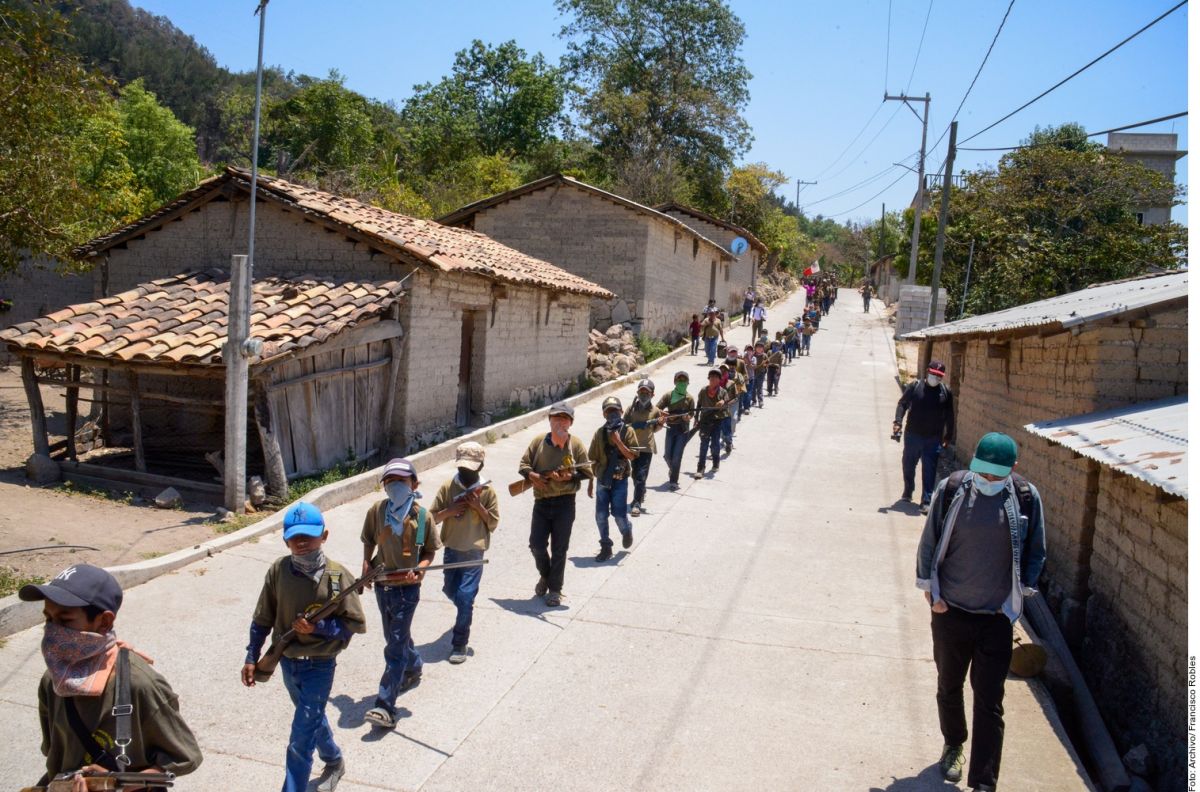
(763,633)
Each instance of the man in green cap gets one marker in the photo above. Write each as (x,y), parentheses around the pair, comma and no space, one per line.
(980,555)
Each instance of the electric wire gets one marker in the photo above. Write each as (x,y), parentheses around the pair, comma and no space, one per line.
(1089,134)
(887,58)
(1082,69)
(863,183)
(849,145)
(872,198)
(920,44)
(868,145)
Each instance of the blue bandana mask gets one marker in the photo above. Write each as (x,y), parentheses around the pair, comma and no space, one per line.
(989,488)
(400,502)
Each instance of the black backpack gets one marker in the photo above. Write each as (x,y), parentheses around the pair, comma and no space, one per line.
(1023,488)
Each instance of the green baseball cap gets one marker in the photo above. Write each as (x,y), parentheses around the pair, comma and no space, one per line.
(995,455)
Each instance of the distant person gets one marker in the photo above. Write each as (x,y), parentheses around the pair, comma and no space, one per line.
(747,304)
(712,330)
(807,331)
(694,331)
(980,555)
(930,428)
(867,293)
(758,317)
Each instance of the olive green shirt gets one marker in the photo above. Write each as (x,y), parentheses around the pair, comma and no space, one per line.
(600,450)
(469,532)
(706,402)
(160,737)
(543,456)
(287,594)
(684,407)
(644,436)
(397,552)
(711,329)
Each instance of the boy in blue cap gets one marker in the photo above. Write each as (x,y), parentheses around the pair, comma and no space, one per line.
(294,584)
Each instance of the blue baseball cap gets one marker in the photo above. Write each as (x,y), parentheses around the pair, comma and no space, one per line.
(302,519)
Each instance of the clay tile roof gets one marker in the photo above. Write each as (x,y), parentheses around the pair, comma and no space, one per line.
(442,247)
(142,324)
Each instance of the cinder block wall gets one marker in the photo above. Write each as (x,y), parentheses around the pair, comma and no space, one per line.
(1134,656)
(678,274)
(742,273)
(580,232)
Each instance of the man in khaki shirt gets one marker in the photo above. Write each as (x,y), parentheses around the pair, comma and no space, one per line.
(467,510)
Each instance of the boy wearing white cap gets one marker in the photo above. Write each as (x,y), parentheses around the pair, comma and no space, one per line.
(398,533)
(468,511)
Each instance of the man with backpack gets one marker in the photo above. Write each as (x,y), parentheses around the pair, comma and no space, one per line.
(980,555)
(930,428)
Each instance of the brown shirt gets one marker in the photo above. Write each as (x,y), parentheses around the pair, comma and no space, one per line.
(287,594)
(397,552)
(711,329)
(706,402)
(600,453)
(542,456)
(469,532)
(160,737)
(643,435)
(682,407)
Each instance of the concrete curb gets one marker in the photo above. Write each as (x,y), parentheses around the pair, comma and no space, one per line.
(16,615)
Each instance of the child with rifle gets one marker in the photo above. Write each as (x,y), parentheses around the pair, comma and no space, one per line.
(88,673)
(468,512)
(297,585)
(611,452)
(645,419)
(398,535)
(710,402)
(678,406)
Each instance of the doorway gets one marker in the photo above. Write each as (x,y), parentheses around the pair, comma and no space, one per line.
(466,355)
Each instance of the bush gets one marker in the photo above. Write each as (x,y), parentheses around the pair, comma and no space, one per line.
(651,348)
(342,470)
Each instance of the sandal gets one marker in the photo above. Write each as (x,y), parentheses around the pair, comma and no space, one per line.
(377,716)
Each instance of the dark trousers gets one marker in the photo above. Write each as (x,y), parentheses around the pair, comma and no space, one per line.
(756,327)
(981,642)
(925,449)
(772,380)
(641,469)
(695,344)
(552,521)
(759,380)
(676,441)
(710,440)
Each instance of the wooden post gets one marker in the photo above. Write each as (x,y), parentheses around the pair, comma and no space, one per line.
(72,409)
(393,381)
(135,417)
(236,372)
(277,486)
(37,411)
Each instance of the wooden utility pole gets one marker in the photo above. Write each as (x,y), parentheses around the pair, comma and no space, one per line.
(798,183)
(941,232)
(916,232)
(967,280)
(879,250)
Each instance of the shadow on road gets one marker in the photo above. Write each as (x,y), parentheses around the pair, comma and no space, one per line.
(438,649)
(928,780)
(532,607)
(351,712)
(589,562)
(902,506)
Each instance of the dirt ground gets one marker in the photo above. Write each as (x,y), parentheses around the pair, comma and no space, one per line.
(33,516)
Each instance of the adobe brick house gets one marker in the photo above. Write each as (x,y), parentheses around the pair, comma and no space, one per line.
(746,267)
(1134,652)
(660,269)
(1105,347)
(484,325)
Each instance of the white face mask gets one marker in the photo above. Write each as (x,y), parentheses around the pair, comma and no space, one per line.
(932,380)
(985,487)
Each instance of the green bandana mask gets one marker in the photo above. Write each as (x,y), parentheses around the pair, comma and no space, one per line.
(680,392)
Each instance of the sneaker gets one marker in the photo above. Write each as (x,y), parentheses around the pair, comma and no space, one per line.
(411,680)
(984,788)
(458,654)
(907,496)
(542,587)
(604,554)
(699,473)
(627,539)
(925,507)
(635,510)
(330,775)
(951,763)
(553,599)
(378,716)
(674,486)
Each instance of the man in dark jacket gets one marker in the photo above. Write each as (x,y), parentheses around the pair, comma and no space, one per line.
(930,428)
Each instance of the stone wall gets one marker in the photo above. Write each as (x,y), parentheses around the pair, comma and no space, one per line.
(1034,379)
(744,270)
(38,287)
(1135,653)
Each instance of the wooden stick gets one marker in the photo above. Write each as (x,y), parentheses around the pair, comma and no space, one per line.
(130,477)
(72,409)
(135,407)
(277,485)
(37,411)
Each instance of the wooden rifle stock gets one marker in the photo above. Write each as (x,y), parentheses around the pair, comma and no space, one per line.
(524,484)
(265,667)
(105,781)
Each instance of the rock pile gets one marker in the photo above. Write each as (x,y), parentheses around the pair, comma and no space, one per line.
(612,354)
(776,285)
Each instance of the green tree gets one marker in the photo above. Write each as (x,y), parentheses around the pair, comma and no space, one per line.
(160,149)
(662,91)
(323,127)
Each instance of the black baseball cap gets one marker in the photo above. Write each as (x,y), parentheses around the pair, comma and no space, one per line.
(77,586)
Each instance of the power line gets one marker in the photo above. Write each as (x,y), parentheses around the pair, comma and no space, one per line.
(887,58)
(1084,68)
(868,145)
(862,183)
(1089,134)
(872,198)
(854,140)
(920,44)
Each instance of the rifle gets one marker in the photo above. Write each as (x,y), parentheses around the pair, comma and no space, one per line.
(265,667)
(390,574)
(476,487)
(524,484)
(65,782)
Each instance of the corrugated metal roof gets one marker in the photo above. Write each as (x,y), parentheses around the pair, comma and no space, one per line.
(1068,310)
(1148,440)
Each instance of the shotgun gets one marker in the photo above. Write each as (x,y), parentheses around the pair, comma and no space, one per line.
(65,782)
(524,484)
(265,667)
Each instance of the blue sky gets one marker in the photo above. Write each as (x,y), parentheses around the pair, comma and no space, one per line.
(819,71)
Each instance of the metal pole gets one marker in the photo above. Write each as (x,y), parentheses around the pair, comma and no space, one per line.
(916,232)
(879,251)
(262,29)
(967,280)
(941,232)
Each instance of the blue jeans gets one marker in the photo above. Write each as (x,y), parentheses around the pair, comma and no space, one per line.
(397,605)
(710,350)
(927,450)
(641,470)
(461,586)
(747,398)
(711,440)
(773,380)
(612,499)
(308,682)
(727,429)
(805,343)
(673,451)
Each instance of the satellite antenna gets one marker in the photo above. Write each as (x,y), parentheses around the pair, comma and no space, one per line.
(739,245)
